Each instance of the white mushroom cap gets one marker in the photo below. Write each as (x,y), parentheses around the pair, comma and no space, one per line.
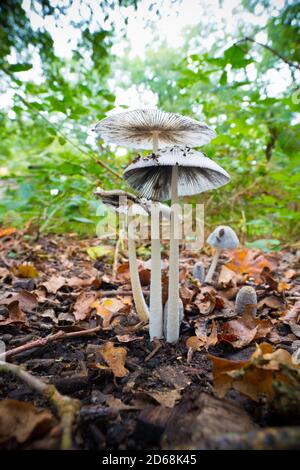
(151,176)
(138,127)
(223,237)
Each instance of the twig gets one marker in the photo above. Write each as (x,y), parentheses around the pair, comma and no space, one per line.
(157,347)
(67,407)
(273,51)
(40,342)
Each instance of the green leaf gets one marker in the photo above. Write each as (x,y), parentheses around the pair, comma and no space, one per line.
(19,67)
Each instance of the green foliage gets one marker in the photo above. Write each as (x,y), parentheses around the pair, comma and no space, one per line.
(48,169)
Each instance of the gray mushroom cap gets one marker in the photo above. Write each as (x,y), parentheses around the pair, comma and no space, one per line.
(118,200)
(151,176)
(138,127)
(223,237)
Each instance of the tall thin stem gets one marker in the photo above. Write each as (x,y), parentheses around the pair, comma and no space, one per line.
(173,300)
(155,141)
(156,311)
(138,297)
(213,265)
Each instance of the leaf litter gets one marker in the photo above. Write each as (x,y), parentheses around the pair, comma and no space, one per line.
(117,373)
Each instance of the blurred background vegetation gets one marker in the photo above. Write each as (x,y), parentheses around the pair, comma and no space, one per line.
(238,72)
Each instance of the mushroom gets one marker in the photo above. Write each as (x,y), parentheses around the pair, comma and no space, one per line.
(112,200)
(180,313)
(175,171)
(199,271)
(222,238)
(151,128)
(246,297)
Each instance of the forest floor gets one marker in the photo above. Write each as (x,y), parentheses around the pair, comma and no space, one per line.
(228,378)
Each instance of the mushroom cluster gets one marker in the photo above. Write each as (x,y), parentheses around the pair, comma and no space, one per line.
(171,171)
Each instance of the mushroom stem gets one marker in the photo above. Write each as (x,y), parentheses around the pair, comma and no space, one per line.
(155,141)
(156,311)
(213,265)
(173,297)
(139,301)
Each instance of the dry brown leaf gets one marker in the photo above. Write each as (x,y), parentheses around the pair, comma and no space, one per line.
(254,378)
(195,343)
(166,397)
(242,331)
(249,262)
(226,276)
(273,302)
(5,232)
(83,306)
(107,308)
(25,271)
(22,421)
(115,358)
(290,273)
(16,315)
(129,338)
(27,300)
(54,284)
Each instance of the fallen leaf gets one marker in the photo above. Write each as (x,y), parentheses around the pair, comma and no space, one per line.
(83,306)
(173,376)
(22,421)
(107,308)
(115,358)
(166,397)
(118,405)
(273,302)
(101,251)
(194,343)
(290,273)
(27,300)
(255,377)
(249,262)
(226,276)
(5,232)
(242,331)
(54,284)
(129,338)
(16,315)
(25,271)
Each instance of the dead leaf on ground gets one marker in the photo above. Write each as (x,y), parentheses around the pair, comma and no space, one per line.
(273,302)
(250,262)
(128,338)
(16,315)
(27,300)
(166,397)
(255,377)
(227,276)
(83,305)
(107,308)
(173,376)
(242,331)
(54,284)
(5,232)
(115,358)
(22,421)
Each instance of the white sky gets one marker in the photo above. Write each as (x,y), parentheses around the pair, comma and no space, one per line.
(169,25)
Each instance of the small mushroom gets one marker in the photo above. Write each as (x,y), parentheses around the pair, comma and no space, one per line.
(246,296)
(170,176)
(112,200)
(222,238)
(199,271)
